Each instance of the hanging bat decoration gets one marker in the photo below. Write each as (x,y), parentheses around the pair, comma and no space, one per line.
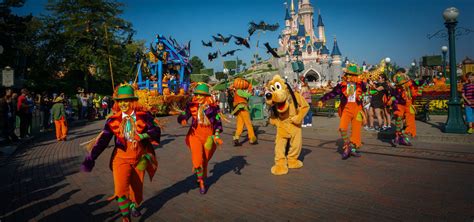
(207,44)
(212,56)
(271,50)
(241,41)
(221,38)
(262,26)
(231,52)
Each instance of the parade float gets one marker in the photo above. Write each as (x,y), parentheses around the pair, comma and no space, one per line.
(162,77)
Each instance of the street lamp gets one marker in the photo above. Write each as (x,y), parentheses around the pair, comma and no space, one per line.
(444,50)
(455,122)
(413,64)
(297,65)
(387,63)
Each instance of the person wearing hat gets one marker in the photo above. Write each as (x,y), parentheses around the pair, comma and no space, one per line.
(403,94)
(350,90)
(59,116)
(203,135)
(134,130)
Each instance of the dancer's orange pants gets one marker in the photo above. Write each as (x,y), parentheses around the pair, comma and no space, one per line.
(128,180)
(195,140)
(408,112)
(352,114)
(243,118)
(61,128)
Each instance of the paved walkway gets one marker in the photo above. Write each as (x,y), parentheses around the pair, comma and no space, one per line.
(428,182)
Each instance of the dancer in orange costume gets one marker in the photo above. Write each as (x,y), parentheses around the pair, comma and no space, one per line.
(59,117)
(403,95)
(134,130)
(242,93)
(350,110)
(203,136)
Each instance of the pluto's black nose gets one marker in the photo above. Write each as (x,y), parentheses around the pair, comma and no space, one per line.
(268,96)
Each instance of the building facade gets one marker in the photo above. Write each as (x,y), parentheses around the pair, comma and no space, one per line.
(320,64)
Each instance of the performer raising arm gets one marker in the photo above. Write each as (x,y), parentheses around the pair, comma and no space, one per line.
(134,130)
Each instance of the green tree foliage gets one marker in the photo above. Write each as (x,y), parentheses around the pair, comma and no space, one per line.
(75,40)
(199,78)
(14,35)
(197,65)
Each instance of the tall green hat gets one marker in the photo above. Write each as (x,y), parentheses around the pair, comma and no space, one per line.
(125,91)
(202,89)
(352,69)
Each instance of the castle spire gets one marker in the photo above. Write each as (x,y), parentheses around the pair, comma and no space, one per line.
(292,7)
(287,15)
(335,48)
(320,19)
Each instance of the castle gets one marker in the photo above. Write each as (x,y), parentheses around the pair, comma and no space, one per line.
(320,64)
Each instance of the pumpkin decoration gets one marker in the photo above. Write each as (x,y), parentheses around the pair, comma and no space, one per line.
(181,92)
(240,83)
(166,91)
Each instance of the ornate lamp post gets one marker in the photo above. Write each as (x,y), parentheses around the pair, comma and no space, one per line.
(413,69)
(444,50)
(387,63)
(226,76)
(455,122)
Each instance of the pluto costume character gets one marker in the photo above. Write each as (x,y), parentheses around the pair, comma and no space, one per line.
(288,110)
(350,91)
(242,94)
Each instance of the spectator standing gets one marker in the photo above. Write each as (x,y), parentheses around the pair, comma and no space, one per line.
(222,101)
(59,116)
(230,100)
(83,105)
(8,116)
(45,107)
(105,106)
(468,96)
(23,109)
(308,119)
(97,104)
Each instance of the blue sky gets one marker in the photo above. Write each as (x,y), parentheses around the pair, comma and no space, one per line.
(366,30)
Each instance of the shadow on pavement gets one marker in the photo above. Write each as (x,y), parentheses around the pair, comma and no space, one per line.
(154,204)
(83,211)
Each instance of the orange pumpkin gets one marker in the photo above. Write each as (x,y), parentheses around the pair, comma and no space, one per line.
(240,83)
(181,92)
(166,91)
(153,93)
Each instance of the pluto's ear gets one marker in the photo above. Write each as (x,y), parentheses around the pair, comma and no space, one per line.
(295,102)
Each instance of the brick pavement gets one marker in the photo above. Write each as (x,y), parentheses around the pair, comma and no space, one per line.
(428,182)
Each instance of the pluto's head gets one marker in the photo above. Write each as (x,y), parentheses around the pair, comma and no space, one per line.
(278,94)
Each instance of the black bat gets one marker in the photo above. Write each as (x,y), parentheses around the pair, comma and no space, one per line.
(271,50)
(231,52)
(221,38)
(262,26)
(207,44)
(212,56)
(241,41)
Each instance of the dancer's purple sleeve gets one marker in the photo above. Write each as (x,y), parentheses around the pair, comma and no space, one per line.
(184,116)
(153,130)
(99,147)
(212,113)
(334,92)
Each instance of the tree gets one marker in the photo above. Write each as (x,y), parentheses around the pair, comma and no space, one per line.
(269,65)
(14,33)
(196,64)
(78,37)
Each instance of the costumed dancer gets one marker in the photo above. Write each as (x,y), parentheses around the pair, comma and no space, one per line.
(59,116)
(351,91)
(403,94)
(134,130)
(203,135)
(242,93)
